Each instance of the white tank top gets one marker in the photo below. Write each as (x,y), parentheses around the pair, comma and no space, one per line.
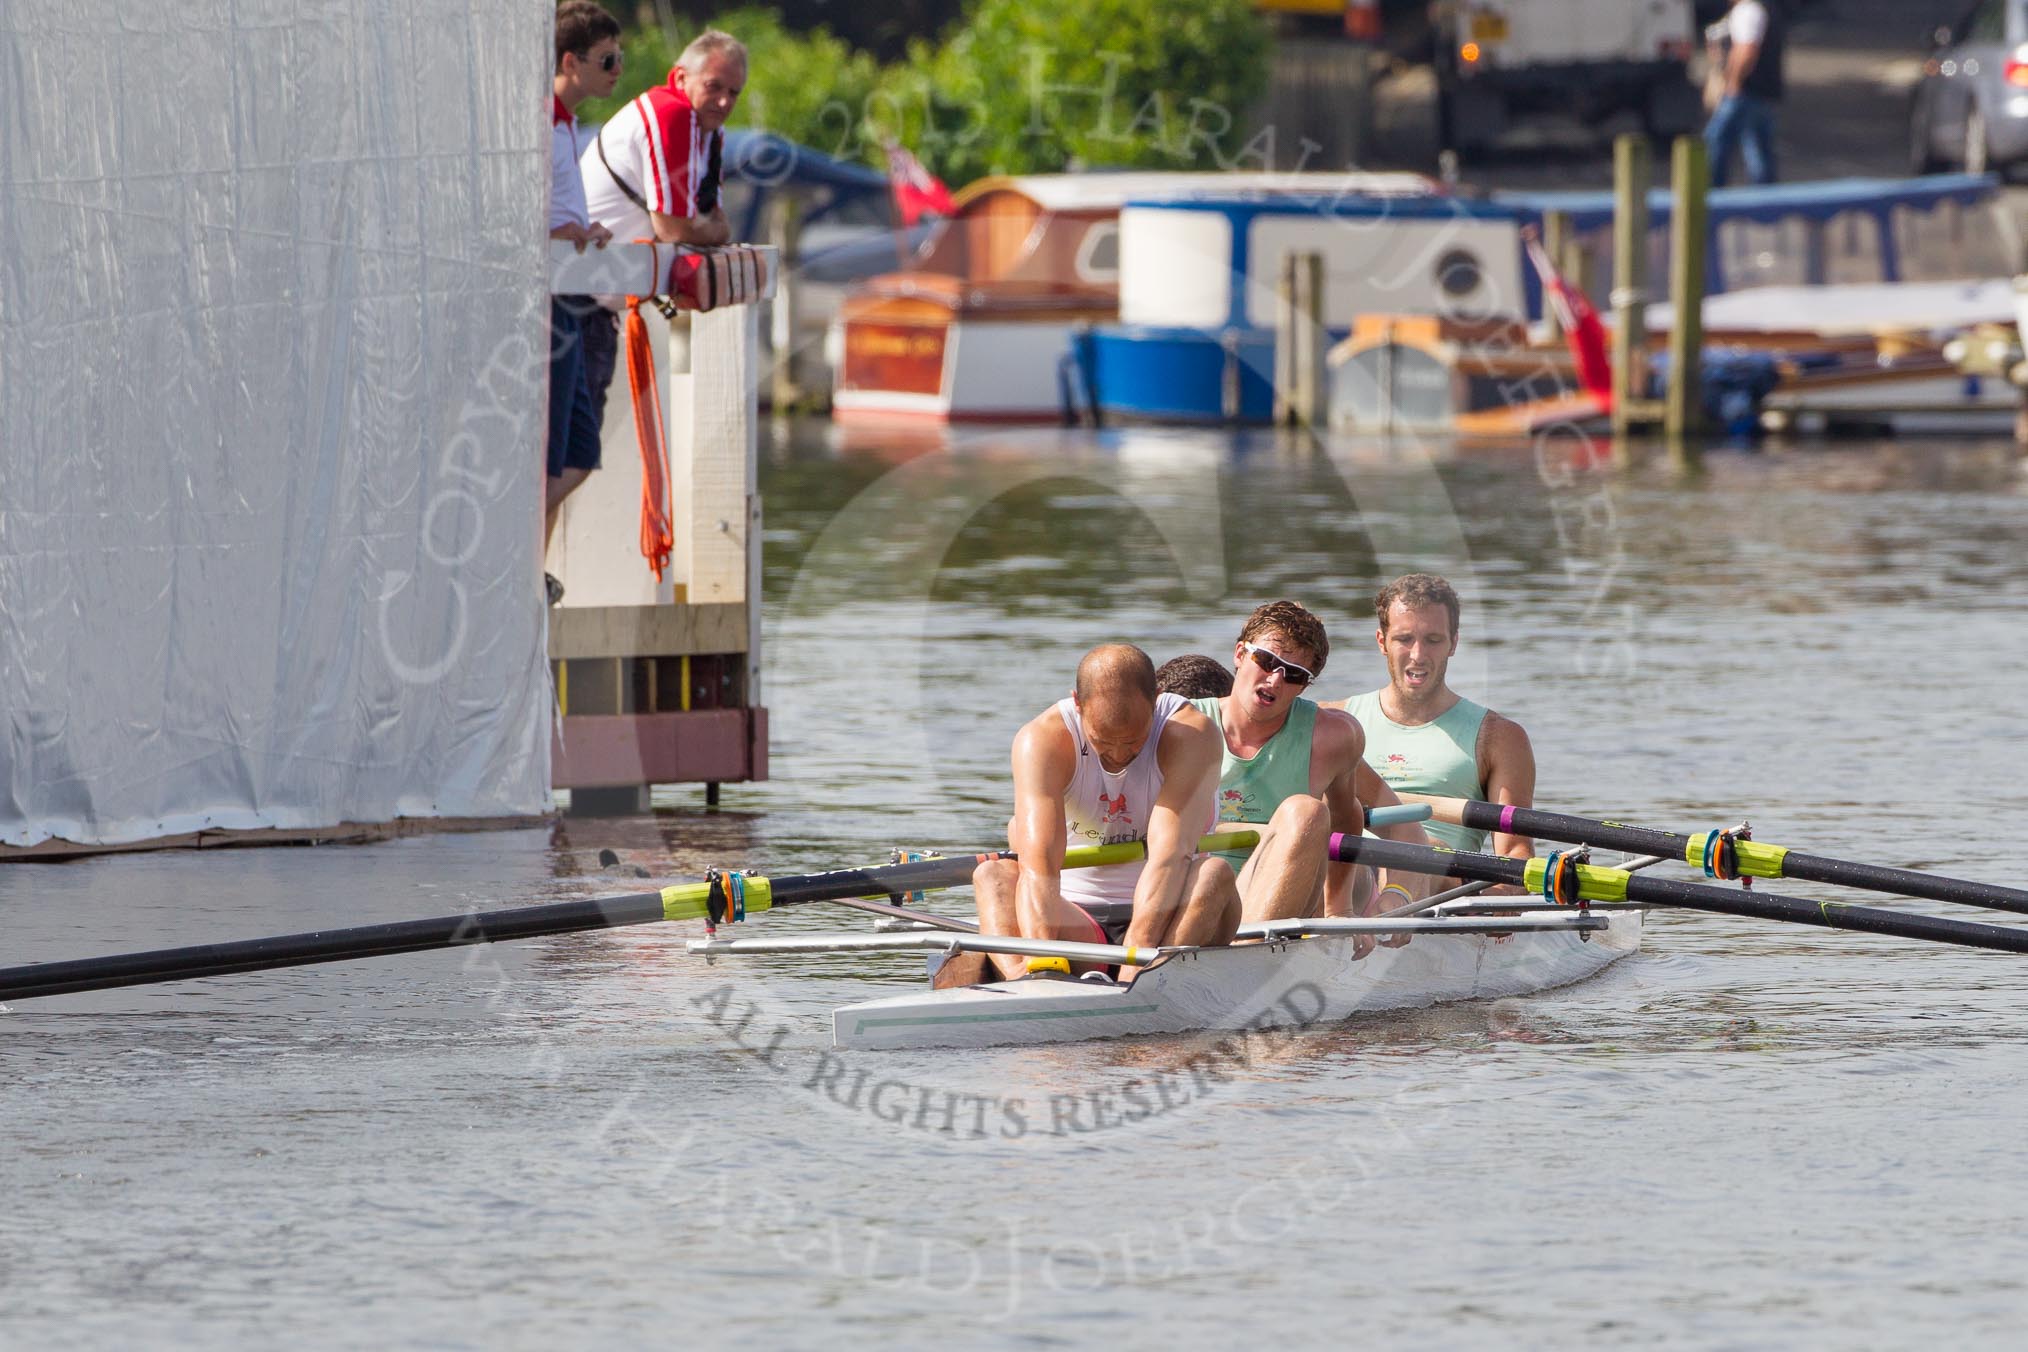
(1102,808)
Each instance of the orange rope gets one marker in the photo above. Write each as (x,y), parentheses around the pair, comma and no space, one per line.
(658,536)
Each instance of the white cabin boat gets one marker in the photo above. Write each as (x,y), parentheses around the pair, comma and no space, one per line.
(978,326)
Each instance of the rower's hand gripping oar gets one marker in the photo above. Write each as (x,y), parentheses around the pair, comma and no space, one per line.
(732,895)
(1726,855)
(1560,878)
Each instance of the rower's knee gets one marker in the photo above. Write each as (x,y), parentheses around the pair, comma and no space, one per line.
(1303,816)
(1215,875)
(996,873)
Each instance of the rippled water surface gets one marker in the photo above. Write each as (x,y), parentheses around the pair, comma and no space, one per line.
(1743,1136)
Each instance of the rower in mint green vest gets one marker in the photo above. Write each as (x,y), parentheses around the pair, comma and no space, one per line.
(1424,738)
(1439,758)
(1287,767)
(1250,789)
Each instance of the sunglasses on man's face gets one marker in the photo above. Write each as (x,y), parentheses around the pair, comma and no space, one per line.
(1270,663)
(608,63)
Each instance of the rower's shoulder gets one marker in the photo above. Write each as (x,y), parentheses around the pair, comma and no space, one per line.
(1190,729)
(1501,739)
(1046,737)
(1495,725)
(1337,733)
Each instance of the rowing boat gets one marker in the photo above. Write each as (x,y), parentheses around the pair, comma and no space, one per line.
(1300,973)
(1292,973)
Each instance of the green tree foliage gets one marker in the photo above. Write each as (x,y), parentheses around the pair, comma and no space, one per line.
(1019,86)
(1029,86)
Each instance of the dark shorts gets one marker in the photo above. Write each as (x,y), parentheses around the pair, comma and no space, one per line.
(599,329)
(573,417)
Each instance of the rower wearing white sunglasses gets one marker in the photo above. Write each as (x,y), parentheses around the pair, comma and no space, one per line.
(1290,769)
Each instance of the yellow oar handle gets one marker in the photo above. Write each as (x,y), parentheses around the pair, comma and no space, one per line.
(1127,851)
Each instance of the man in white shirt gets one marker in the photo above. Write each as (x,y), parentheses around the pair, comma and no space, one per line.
(1745,50)
(587,66)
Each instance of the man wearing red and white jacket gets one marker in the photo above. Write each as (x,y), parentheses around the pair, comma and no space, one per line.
(653,171)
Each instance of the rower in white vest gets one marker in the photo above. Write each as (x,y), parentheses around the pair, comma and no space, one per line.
(1115,761)
(1422,737)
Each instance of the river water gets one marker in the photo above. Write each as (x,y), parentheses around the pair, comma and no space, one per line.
(1745,1135)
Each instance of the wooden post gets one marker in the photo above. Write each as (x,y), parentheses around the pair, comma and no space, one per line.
(786,231)
(1299,341)
(1556,241)
(714,480)
(1631,173)
(1688,236)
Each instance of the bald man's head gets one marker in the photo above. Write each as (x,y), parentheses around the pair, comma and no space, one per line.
(1116,700)
(1112,670)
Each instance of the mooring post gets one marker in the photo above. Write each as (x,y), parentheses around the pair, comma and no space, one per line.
(1632,169)
(1690,182)
(1299,341)
(786,227)
(1556,241)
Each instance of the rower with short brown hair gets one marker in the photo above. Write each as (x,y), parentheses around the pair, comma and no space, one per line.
(1423,738)
(1290,769)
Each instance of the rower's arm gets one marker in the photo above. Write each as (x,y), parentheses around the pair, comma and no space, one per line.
(1043,765)
(1507,769)
(1190,756)
(1338,747)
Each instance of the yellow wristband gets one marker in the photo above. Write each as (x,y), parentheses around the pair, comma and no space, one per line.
(1394,887)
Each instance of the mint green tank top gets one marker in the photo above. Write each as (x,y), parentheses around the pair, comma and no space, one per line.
(1439,757)
(1250,790)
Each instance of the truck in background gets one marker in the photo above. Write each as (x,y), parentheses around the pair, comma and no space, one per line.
(1502,62)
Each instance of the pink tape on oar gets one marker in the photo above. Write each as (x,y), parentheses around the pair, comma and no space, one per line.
(1507,820)
(1337,842)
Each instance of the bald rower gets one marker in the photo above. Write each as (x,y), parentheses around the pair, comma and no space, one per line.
(1116,761)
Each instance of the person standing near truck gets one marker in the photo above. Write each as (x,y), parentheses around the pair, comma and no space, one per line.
(1745,49)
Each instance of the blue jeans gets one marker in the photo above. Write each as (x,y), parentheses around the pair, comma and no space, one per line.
(1747,122)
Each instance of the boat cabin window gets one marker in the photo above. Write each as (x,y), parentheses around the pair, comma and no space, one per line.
(1950,242)
(1098,256)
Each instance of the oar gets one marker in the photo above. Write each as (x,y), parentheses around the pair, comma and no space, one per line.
(1589,883)
(1755,859)
(685,901)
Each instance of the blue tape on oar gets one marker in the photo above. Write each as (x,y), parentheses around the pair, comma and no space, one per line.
(1398,814)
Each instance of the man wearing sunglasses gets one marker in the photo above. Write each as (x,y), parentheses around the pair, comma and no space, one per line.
(587,67)
(1289,768)
(1116,761)
(1425,739)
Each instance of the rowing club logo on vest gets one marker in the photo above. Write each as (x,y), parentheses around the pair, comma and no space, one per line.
(1231,805)
(1116,809)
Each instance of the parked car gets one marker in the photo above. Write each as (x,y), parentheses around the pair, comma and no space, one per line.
(1970,106)
(1501,61)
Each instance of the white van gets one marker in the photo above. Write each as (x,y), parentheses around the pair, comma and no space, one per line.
(1501,61)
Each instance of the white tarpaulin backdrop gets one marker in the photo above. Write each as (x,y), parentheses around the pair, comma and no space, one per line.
(273,308)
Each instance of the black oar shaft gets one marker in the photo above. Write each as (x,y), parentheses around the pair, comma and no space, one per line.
(337,945)
(448,931)
(1793,864)
(1691,896)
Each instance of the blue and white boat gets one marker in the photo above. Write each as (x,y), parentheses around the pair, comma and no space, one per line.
(1195,337)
